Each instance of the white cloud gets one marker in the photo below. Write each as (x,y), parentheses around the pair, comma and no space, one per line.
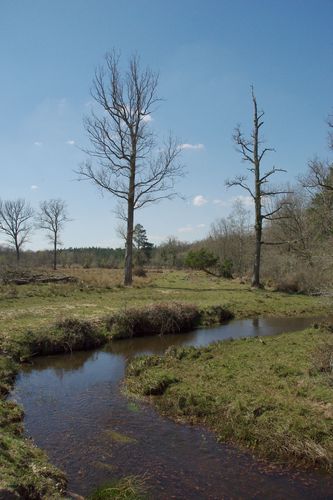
(186,229)
(246,200)
(200,226)
(199,200)
(221,203)
(33,187)
(147,118)
(70,142)
(38,143)
(191,146)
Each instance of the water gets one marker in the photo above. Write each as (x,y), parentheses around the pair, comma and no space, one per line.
(75,411)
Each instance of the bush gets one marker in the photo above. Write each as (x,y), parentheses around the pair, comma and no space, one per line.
(158,319)
(225,268)
(289,284)
(140,272)
(200,259)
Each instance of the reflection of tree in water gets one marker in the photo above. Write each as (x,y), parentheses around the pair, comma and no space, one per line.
(61,363)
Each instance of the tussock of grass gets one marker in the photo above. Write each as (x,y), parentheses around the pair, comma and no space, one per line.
(162,319)
(156,319)
(263,395)
(63,336)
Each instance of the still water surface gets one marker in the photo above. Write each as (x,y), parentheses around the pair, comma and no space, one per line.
(75,411)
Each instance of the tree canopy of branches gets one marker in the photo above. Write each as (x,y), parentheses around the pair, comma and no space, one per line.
(51,217)
(124,156)
(253,152)
(16,222)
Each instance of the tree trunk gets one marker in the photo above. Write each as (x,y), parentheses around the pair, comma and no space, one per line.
(257,256)
(258,219)
(130,228)
(129,245)
(17,248)
(55,253)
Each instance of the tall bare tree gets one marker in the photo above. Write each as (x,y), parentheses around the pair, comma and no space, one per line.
(124,157)
(16,222)
(51,217)
(261,192)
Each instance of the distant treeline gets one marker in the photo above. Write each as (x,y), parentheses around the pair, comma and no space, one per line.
(67,257)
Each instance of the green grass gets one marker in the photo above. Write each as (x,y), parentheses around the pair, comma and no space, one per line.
(100,293)
(273,395)
(47,318)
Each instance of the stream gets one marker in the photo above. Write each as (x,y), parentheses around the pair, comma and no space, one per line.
(75,411)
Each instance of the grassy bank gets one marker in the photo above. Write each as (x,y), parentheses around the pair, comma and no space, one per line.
(100,293)
(43,318)
(24,469)
(273,395)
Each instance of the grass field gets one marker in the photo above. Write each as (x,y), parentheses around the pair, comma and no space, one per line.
(251,385)
(100,292)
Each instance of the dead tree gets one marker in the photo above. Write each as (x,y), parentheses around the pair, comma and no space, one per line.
(51,217)
(124,157)
(16,222)
(252,152)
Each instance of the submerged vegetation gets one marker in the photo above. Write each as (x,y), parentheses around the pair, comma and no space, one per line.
(127,488)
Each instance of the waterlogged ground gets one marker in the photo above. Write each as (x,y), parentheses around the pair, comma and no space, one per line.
(76,412)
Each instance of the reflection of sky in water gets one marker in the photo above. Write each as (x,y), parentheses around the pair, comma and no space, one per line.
(74,410)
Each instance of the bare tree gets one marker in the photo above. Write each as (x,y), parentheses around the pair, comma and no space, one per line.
(252,152)
(319,176)
(125,159)
(52,216)
(16,222)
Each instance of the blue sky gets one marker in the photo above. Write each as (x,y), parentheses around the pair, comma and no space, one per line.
(208,53)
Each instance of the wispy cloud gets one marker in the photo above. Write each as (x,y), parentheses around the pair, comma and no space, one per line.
(199,200)
(191,146)
(70,142)
(147,119)
(221,203)
(201,226)
(38,144)
(247,201)
(186,229)
(33,187)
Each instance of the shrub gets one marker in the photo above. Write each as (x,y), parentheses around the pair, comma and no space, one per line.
(140,272)
(200,259)
(289,284)
(157,319)
(225,268)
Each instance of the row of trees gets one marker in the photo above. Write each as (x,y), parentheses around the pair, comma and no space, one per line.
(126,160)
(18,219)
